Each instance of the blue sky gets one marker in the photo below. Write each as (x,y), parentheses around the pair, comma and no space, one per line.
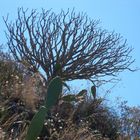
(119,15)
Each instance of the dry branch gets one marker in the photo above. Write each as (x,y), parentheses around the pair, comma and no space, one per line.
(66,44)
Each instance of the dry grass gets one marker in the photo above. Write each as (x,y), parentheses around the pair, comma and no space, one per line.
(23,101)
(72,132)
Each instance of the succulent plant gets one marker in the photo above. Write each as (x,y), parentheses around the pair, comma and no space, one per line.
(53,92)
(93,91)
(74,97)
(51,98)
(36,124)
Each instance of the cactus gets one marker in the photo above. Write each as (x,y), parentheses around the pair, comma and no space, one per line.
(82,93)
(69,98)
(73,97)
(36,124)
(52,95)
(93,91)
(53,92)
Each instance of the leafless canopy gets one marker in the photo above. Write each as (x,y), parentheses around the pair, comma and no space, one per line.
(66,44)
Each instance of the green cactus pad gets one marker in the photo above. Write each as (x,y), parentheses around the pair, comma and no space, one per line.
(36,124)
(53,92)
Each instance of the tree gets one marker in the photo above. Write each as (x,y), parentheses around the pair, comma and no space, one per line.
(129,120)
(66,44)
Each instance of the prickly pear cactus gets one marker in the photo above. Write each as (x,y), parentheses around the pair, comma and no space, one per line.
(52,96)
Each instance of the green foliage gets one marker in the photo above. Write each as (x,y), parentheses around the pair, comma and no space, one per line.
(93,91)
(69,98)
(69,116)
(57,67)
(52,96)
(82,93)
(75,98)
(53,92)
(36,124)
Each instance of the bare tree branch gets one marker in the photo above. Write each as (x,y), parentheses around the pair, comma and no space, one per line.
(67,44)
